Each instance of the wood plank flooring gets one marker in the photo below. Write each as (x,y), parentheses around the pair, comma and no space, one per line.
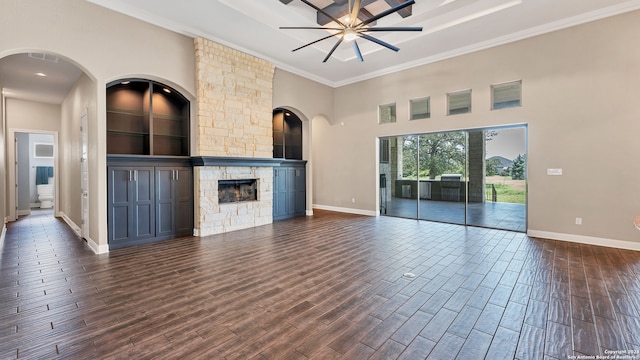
(329,286)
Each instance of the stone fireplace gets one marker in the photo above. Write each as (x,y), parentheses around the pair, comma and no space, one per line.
(234,138)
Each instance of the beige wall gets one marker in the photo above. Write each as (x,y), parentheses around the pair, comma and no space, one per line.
(30,115)
(313,103)
(81,97)
(107,46)
(580,94)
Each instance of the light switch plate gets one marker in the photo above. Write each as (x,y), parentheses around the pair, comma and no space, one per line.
(554,172)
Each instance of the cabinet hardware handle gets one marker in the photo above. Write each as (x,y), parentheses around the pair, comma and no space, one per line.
(135,175)
(177,175)
(130,175)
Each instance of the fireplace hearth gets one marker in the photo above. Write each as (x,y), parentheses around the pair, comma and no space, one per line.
(239,190)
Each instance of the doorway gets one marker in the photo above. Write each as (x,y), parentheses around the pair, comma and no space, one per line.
(473,177)
(34,173)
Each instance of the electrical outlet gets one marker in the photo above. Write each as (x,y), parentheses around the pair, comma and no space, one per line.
(578,221)
(353,200)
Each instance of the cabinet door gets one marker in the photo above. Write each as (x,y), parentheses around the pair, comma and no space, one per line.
(183,194)
(291,199)
(279,193)
(131,205)
(119,203)
(143,203)
(165,203)
(174,201)
(300,192)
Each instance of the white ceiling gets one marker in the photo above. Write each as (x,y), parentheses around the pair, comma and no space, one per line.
(19,79)
(451,28)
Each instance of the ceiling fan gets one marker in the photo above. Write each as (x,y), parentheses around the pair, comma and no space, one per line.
(353,28)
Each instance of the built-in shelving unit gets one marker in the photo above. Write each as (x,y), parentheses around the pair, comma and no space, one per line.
(150,177)
(287,135)
(146,118)
(289,179)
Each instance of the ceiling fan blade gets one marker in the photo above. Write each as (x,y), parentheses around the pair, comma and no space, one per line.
(356,48)
(313,42)
(308,28)
(391,29)
(332,50)
(379,42)
(353,16)
(387,12)
(324,13)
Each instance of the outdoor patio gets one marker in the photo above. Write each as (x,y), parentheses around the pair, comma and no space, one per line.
(496,215)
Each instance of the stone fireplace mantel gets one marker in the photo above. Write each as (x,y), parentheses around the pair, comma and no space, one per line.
(240,161)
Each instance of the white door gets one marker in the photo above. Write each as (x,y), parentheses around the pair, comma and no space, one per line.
(84,173)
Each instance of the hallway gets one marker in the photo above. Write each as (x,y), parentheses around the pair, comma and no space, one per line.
(327,286)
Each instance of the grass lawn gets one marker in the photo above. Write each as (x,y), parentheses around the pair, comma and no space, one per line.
(508,190)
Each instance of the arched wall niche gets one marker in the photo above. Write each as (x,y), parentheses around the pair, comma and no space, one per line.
(307,149)
(193,146)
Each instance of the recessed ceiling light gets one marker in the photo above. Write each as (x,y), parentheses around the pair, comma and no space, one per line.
(125,82)
(41,74)
(167,90)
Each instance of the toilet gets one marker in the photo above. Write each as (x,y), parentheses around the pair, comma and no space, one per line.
(45,195)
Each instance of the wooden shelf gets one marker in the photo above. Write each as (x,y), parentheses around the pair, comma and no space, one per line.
(124,132)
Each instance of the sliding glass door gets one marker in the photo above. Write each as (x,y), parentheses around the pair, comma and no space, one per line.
(455,177)
(442,177)
(399,176)
(500,193)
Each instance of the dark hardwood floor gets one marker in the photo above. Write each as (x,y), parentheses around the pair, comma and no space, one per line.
(322,287)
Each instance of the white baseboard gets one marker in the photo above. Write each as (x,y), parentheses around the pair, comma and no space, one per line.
(309,212)
(98,249)
(589,240)
(3,233)
(346,210)
(24,212)
(76,229)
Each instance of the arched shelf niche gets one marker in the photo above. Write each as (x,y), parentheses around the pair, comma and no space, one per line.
(146,117)
(287,135)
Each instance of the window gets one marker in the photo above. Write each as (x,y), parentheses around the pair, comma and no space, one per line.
(42,150)
(387,113)
(506,95)
(420,108)
(384,150)
(459,102)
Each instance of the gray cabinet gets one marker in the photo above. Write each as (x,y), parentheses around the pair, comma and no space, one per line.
(148,200)
(174,201)
(131,205)
(289,190)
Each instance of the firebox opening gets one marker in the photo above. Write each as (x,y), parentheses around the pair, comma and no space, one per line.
(231,191)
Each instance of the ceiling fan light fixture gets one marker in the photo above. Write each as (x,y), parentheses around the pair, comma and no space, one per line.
(349,28)
(350,34)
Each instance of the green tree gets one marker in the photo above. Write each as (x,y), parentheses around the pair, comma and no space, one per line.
(491,166)
(518,168)
(439,153)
